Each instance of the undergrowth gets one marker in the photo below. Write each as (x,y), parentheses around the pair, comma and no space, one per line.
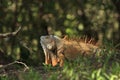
(104,66)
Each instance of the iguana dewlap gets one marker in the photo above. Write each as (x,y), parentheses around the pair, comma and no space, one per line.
(56,49)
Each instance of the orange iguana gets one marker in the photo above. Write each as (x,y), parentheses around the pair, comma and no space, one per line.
(56,49)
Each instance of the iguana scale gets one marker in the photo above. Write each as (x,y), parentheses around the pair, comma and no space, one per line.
(58,49)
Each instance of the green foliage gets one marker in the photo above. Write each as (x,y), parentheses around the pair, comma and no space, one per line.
(47,67)
(103,67)
(95,18)
(4,78)
(31,75)
(90,17)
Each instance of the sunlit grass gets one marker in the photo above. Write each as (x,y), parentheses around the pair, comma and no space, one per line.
(105,66)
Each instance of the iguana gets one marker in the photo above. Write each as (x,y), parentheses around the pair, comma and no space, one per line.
(58,49)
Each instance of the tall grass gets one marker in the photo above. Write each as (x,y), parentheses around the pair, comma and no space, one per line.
(105,65)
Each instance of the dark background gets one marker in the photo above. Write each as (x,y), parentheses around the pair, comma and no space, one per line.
(99,19)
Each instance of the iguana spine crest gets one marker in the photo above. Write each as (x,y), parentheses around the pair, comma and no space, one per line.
(57,49)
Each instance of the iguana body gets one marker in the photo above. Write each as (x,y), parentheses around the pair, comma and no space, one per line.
(57,49)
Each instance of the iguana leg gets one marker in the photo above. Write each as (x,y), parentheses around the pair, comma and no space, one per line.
(61,59)
(47,59)
(54,59)
(47,55)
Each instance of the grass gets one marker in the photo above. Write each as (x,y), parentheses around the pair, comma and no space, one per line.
(105,66)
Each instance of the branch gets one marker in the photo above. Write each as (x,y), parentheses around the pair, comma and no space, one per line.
(15,62)
(10,34)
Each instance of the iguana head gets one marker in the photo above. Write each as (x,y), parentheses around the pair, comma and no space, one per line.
(48,41)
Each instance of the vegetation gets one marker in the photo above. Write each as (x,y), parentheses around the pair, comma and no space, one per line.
(21,55)
(105,66)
